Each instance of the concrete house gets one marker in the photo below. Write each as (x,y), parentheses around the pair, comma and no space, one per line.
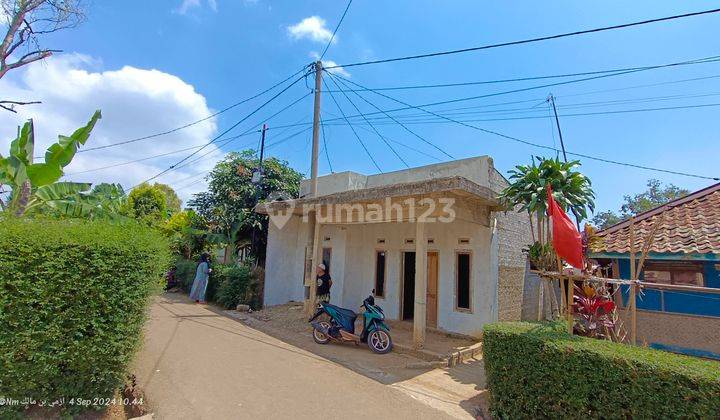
(432,243)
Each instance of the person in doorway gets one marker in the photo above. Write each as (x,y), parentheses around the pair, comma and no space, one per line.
(202,275)
(324,283)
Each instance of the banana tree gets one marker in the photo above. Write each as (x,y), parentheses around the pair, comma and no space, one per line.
(35,184)
(105,201)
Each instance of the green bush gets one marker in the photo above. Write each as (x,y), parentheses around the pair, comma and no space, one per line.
(185,273)
(539,371)
(73,300)
(235,284)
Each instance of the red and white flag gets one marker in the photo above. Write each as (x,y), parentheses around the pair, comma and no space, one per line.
(566,238)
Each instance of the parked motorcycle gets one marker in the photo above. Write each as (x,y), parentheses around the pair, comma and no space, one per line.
(342,326)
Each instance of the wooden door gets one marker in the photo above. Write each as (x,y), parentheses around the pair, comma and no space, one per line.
(432,289)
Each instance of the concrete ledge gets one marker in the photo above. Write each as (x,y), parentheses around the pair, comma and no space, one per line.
(434,360)
(465,354)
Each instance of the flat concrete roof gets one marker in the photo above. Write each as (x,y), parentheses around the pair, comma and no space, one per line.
(455,184)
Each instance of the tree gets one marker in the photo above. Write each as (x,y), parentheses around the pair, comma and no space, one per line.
(187,233)
(172,201)
(228,204)
(527,191)
(655,195)
(147,202)
(35,184)
(27,22)
(605,219)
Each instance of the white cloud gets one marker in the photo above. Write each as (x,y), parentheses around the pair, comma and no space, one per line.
(312,28)
(188,5)
(340,71)
(335,70)
(134,102)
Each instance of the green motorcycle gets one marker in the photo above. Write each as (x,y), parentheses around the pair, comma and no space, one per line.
(341,326)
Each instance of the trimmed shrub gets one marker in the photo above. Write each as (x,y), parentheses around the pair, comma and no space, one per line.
(540,371)
(73,300)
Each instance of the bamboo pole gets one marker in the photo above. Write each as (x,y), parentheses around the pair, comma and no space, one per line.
(633,287)
(568,297)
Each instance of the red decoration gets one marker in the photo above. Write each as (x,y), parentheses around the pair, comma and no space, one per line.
(566,238)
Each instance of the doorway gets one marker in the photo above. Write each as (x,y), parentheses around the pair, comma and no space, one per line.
(408,302)
(408,282)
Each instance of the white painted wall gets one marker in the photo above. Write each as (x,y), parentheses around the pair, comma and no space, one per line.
(354,278)
(354,247)
(284,262)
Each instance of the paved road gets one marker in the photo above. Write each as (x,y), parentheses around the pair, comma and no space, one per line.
(198,364)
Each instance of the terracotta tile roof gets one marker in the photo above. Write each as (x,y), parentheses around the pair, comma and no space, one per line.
(691,225)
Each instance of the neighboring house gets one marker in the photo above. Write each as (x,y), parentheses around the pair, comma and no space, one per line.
(475,266)
(685,251)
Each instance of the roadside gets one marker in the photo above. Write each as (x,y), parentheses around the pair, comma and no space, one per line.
(198,363)
(459,391)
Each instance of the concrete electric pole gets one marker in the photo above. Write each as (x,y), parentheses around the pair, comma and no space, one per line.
(313,226)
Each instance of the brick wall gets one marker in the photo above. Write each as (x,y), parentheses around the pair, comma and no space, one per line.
(513,231)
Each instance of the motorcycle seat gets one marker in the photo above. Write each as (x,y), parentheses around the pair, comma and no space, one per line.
(345,313)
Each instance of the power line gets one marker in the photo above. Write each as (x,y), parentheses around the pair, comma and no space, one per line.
(699,61)
(522,79)
(226,131)
(368,122)
(248,131)
(515,139)
(353,129)
(547,85)
(531,40)
(398,142)
(336,29)
(444,117)
(163,133)
(266,148)
(327,156)
(401,124)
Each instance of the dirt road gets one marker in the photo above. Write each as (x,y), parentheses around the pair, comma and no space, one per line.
(198,364)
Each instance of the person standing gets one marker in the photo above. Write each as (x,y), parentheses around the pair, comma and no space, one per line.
(324,282)
(202,275)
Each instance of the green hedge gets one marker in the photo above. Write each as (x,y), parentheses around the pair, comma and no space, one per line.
(73,300)
(229,284)
(539,371)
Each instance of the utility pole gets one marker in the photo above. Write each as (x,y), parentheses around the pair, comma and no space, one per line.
(257,177)
(313,232)
(551,99)
(262,148)
(316,128)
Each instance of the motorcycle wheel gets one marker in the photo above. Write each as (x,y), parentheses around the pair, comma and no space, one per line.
(380,342)
(319,337)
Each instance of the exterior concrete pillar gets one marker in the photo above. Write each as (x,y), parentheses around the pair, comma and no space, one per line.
(419,315)
(310,274)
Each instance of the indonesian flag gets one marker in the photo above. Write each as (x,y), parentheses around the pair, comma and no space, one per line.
(566,238)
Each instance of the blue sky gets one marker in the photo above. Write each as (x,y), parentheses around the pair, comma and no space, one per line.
(209,54)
